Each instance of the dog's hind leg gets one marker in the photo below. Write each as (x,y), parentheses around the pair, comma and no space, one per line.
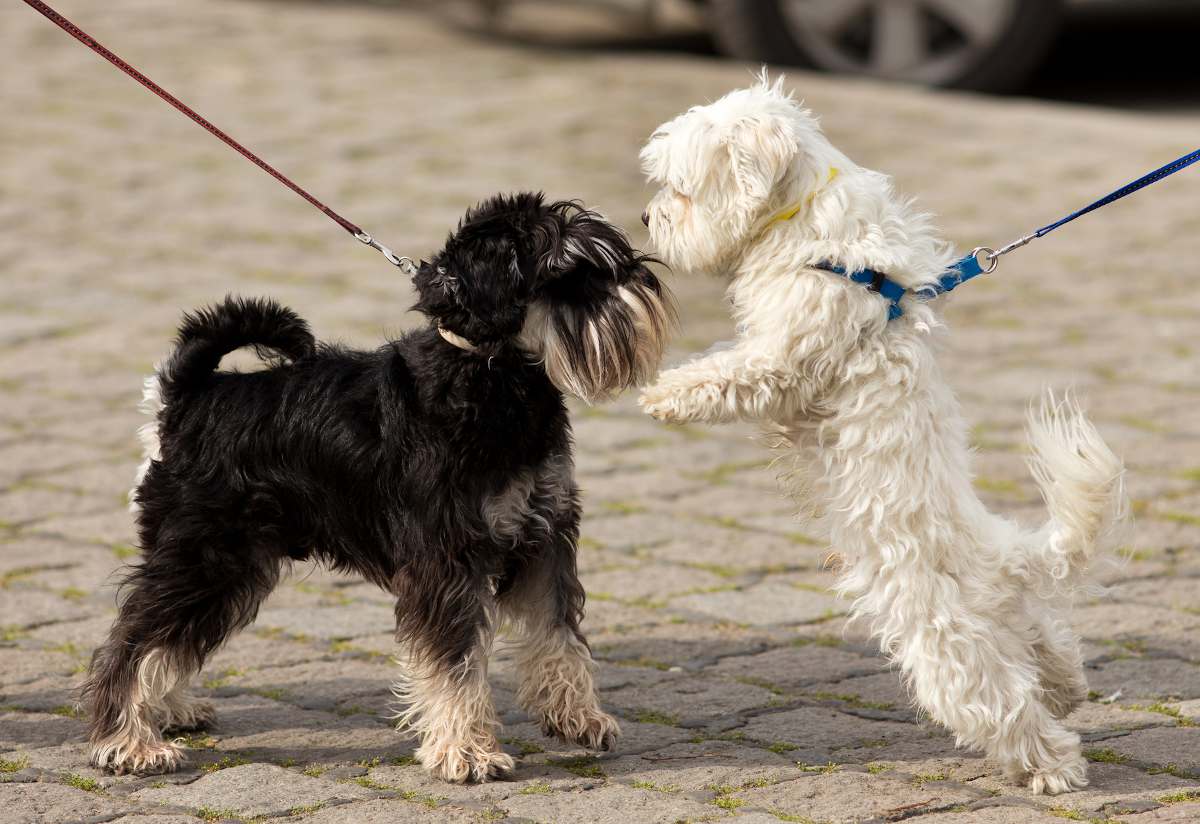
(554,664)
(1060,664)
(980,678)
(175,612)
(446,628)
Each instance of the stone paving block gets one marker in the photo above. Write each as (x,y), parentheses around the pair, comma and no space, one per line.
(691,700)
(994,814)
(881,695)
(633,527)
(633,484)
(1175,747)
(327,623)
(1113,787)
(844,797)
(30,505)
(55,694)
(1146,678)
(27,607)
(764,604)
(655,583)
(112,526)
(1095,717)
(45,803)
(665,647)
(388,811)
(18,665)
(251,650)
(1181,813)
(696,767)
(804,668)
(824,734)
(76,637)
(26,552)
(731,548)
(24,731)
(253,790)
(607,804)
(604,613)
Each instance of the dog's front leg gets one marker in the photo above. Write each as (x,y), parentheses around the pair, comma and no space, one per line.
(446,637)
(554,663)
(733,384)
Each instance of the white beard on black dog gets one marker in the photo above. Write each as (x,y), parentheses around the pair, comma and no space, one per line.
(438,466)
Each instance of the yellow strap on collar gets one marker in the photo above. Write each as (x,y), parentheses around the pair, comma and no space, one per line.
(790,212)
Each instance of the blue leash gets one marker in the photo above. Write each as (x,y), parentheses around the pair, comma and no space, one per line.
(970,266)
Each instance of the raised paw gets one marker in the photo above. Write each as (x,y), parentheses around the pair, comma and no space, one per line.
(140,757)
(593,729)
(460,765)
(660,405)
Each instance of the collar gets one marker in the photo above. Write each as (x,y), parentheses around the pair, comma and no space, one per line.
(791,211)
(455,339)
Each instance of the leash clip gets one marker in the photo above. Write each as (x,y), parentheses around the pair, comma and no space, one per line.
(992,256)
(405,263)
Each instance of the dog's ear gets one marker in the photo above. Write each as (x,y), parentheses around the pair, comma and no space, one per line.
(569,236)
(760,150)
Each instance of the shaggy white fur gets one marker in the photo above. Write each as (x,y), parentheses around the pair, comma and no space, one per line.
(969,605)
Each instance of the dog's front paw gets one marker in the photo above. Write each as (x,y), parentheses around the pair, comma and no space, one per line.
(460,764)
(593,729)
(671,400)
(660,406)
(140,757)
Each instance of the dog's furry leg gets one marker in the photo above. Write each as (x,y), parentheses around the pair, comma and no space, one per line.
(1060,664)
(173,615)
(443,690)
(722,387)
(554,663)
(126,692)
(976,672)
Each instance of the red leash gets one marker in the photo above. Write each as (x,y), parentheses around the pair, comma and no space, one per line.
(89,41)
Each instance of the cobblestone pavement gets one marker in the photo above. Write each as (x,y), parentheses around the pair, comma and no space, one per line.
(741,693)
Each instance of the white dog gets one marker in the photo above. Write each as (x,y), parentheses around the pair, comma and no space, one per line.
(969,605)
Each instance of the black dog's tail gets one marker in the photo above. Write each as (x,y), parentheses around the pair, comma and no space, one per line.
(206,335)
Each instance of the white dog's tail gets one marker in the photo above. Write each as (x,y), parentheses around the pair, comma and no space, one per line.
(1081,480)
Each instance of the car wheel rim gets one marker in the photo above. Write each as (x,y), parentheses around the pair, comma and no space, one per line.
(927,41)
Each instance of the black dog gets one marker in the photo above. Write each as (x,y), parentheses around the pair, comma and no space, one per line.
(438,466)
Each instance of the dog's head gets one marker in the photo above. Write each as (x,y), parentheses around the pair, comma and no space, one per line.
(559,283)
(725,168)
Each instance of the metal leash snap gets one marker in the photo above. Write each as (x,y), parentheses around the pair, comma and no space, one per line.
(406,264)
(989,255)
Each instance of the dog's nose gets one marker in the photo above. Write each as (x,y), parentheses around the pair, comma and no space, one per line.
(646,218)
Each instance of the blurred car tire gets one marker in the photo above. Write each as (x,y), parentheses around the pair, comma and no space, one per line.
(986,45)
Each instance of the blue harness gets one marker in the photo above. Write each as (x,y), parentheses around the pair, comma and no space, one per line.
(970,266)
